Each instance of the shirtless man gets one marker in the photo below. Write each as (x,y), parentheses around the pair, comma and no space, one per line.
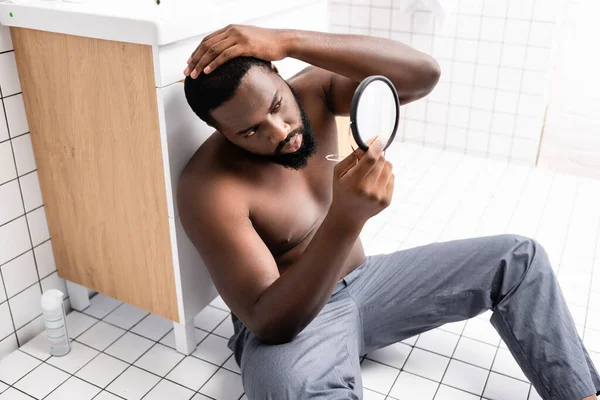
(278,227)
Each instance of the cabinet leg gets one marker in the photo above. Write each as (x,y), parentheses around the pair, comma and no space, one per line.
(79,296)
(185,340)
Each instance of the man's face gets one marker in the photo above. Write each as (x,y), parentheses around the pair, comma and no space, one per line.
(265,118)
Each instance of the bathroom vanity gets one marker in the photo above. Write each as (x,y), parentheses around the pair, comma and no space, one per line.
(111,132)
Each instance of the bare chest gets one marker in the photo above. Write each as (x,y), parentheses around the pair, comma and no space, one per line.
(289,209)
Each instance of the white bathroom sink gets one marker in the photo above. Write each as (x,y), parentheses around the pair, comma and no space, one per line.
(138,21)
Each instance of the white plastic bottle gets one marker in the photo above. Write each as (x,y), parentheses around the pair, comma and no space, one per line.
(54,319)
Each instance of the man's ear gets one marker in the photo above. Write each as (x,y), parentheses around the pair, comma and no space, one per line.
(274,68)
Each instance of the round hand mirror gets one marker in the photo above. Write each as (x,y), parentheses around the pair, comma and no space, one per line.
(375,111)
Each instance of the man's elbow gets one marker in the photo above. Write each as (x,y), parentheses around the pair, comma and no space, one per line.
(431,74)
(424,79)
(275,339)
(273,335)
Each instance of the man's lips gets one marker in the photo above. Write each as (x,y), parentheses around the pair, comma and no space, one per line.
(285,148)
(293,144)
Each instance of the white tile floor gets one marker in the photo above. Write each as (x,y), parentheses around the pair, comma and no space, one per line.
(120,352)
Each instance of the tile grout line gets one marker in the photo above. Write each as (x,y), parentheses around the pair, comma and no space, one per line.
(448,36)
(370,30)
(457,13)
(26,219)
(426,102)
(508,224)
(108,355)
(541,218)
(14,179)
(447,222)
(495,89)
(406,191)
(10,95)
(12,318)
(99,352)
(400,370)
(460,336)
(410,40)
(25,252)
(475,108)
(16,137)
(20,215)
(468,129)
(171,370)
(155,343)
(208,380)
(30,286)
(524,185)
(475,153)
(568,227)
(449,96)
(472,181)
(413,187)
(447,181)
(514,128)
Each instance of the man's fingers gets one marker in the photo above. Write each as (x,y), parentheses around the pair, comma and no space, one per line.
(389,188)
(369,143)
(368,159)
(217,32)
(209,37)
(226,55)
(193,60)
(373,139)
(386,173)
(193,53)
(211,53)
(372,177)
(201,50)
(346,164)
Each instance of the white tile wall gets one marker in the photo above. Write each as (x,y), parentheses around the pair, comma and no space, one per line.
(15,114)
(19,274)
(495,59)
(27,264)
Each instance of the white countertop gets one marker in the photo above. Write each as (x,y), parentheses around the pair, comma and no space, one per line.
(137,21)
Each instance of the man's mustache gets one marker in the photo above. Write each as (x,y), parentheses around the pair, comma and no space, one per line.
(287,139)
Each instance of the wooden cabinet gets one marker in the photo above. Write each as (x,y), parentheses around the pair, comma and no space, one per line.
(111,132)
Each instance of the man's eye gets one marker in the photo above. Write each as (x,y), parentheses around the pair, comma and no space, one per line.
(250,133)
(277,106)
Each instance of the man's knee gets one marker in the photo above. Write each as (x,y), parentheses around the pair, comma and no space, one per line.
(271,372)
(521,257)
(269,375)
(526,251)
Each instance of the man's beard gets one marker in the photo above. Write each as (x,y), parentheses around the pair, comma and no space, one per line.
(299,158)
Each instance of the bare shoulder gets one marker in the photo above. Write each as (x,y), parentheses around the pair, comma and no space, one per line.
(333,91)
(312,87)
(206,178)
(310,81)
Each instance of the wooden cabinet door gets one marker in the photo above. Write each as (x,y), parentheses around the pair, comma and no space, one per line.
(92,112)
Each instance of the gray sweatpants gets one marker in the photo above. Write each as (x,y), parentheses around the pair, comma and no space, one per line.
(395,296)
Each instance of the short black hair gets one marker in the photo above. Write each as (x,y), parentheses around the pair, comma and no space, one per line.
(207,92)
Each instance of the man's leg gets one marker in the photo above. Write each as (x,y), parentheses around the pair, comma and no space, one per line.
(322,362)
(408,292)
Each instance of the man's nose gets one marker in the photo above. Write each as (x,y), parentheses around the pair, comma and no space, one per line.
(279,132)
